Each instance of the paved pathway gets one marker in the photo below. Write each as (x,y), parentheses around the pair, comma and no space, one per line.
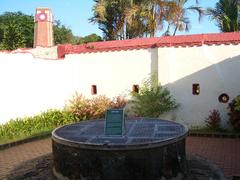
(222,151)
(9,158)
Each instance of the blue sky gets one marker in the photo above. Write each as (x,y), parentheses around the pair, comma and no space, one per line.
(75,14)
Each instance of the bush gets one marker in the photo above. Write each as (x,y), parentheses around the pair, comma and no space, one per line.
(152,99)
(213,120)
(78,108)
(44,122)
(84,109)
(234,114)
(98,107)
(118,102)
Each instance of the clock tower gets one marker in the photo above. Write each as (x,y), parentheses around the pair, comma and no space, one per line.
(43,28)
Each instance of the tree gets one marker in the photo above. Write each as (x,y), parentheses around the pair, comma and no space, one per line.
(62,34)
(149,16)
(124,19)
(13,37)
(23,23)
(179,20)
(109,14)
(225,14)
(89,38)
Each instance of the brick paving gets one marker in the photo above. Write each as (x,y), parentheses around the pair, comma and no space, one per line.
(224,152)
(10,158)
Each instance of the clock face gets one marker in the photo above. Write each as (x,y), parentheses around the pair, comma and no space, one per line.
(42,17)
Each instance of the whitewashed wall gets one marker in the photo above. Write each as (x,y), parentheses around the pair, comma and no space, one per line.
(30,85)
(114,73)
(215,68)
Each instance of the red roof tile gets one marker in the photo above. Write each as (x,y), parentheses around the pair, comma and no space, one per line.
(144,43)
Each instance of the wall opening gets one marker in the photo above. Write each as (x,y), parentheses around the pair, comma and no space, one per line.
(94,89)
(223,98)
(195,89)
(135,88)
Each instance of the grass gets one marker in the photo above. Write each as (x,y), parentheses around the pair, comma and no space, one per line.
(206,130)
(22,128)
(6,140)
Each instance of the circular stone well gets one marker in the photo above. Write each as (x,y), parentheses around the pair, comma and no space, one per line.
(150,149)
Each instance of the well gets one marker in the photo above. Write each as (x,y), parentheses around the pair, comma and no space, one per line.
(150,149)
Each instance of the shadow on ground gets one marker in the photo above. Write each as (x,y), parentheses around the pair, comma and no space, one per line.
(41,169)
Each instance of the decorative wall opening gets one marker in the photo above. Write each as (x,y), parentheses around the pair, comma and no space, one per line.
(94,89)
(135,88)
(223,98)
(195,89)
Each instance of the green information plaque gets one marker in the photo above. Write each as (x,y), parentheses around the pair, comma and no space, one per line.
(114,122)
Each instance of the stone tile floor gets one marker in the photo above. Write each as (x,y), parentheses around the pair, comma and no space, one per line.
(224,152)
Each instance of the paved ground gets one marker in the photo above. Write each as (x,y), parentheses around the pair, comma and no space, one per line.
(222,151)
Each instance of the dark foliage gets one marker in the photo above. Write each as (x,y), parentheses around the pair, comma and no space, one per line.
(225,14)
(234,113)
(213,120)
(62,34)
(16,27)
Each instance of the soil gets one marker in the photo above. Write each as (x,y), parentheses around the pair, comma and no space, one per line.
(41,169)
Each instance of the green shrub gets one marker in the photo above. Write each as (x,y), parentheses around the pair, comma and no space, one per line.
(152,99)
(28,126)
(237,104)
(213,120)
(234,113)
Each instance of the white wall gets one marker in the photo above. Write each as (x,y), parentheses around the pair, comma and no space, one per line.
(215,68)
(29,85)
(114,73)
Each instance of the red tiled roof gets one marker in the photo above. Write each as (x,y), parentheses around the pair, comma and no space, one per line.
(144,43)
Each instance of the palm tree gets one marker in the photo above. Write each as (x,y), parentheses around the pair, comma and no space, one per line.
(125,19)
(149,15)
(226,15)
(109,16)
(179,19)
(146,17)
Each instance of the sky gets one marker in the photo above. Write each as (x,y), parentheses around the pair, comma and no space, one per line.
(75,14)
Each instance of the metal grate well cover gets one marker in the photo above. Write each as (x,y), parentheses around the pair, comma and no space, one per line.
(137,132)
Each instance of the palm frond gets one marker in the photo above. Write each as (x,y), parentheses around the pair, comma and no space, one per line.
(225,14)
(199,10)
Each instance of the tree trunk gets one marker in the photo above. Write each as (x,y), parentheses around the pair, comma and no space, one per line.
(175,30)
